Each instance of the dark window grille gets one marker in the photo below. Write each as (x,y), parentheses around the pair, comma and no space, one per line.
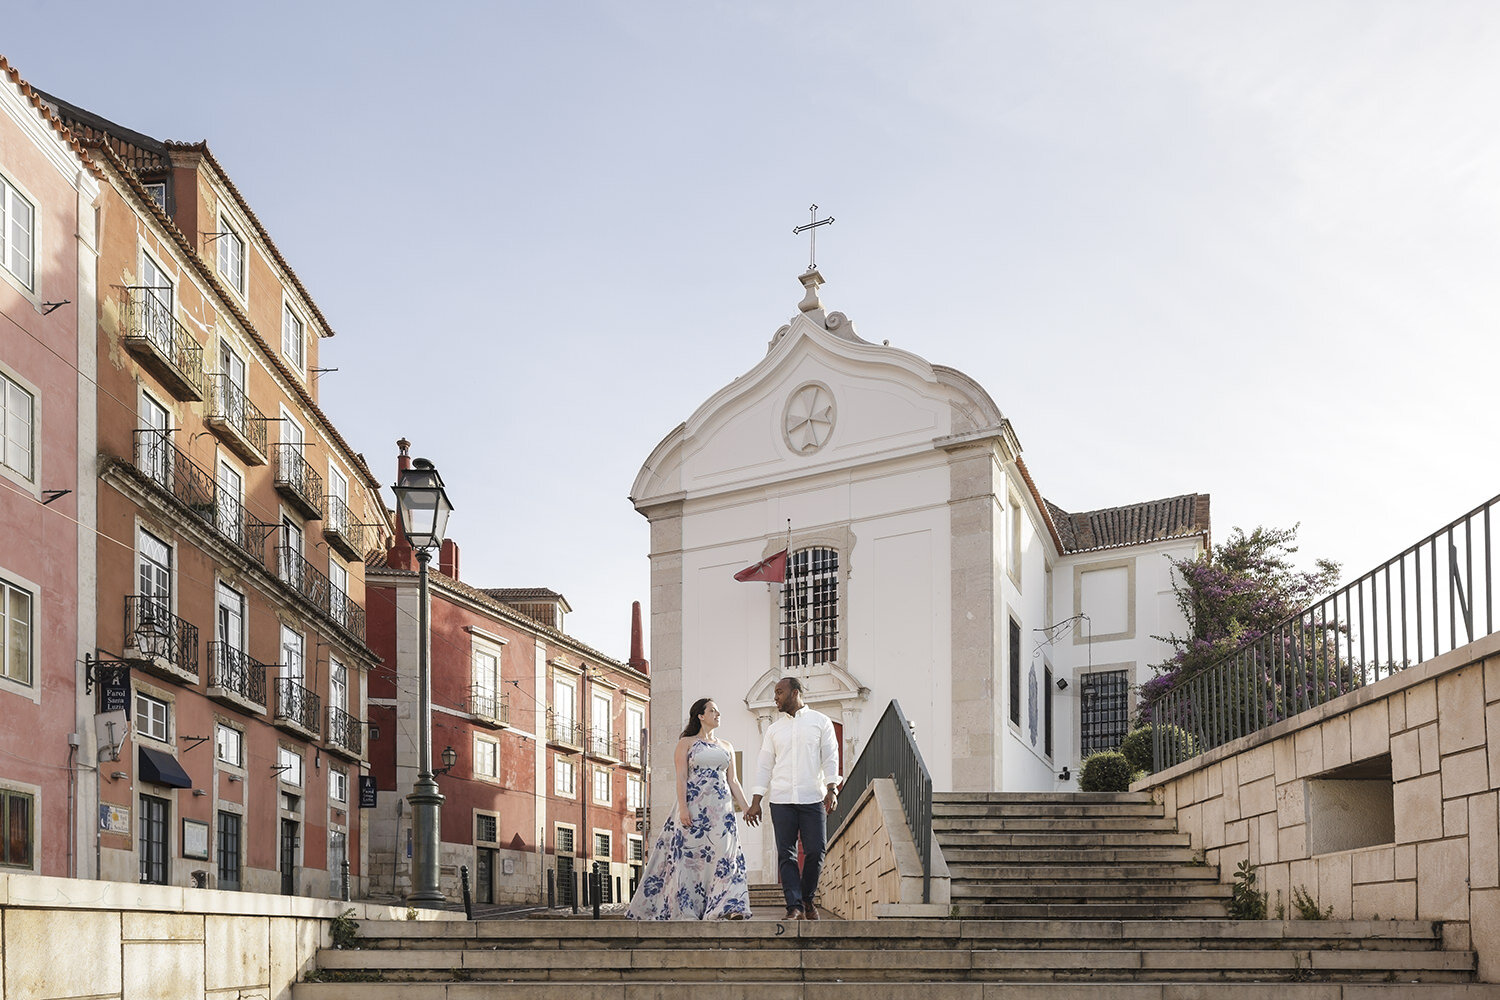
(229,850)
(154,839)
(1104,707)
(810,608)
(486,828)
(566,890)
(16,840)
(1047,692)
(1015,672)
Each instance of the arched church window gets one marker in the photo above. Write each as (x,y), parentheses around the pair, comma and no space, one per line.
(810,608)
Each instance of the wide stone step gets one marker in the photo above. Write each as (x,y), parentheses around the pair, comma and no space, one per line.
(1111,910)
(1071,872)
(1065,838)
(1047,798)
(1023,810)
(1063,824)
(975,890)
(975,852)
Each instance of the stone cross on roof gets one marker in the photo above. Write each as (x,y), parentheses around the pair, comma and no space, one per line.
(812,234)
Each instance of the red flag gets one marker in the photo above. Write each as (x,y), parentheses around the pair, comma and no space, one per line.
(771,569)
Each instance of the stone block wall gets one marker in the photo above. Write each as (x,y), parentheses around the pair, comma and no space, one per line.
(78,938)
(1430,850)
(872,868)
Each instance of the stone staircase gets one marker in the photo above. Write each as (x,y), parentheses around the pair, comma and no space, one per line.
(1055,897)
(1070,856)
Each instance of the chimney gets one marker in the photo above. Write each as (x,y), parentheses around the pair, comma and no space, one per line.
(638,659)
(400,554)
(448,559)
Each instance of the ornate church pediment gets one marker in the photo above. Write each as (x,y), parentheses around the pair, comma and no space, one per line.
(827,687)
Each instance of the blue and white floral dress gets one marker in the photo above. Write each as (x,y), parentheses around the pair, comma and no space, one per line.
(698,872)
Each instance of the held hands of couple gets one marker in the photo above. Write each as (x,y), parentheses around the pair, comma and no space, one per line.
(752,814)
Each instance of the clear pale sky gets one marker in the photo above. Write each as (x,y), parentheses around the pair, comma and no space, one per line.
(1244,249)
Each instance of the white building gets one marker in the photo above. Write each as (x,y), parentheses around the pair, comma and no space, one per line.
(925,567)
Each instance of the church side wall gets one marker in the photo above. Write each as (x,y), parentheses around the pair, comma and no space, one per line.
(667,708)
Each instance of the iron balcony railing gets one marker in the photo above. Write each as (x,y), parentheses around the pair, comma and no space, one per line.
(296,704)
(487,704)
(563,730)
(164,464)
(233,406)
(293,569)
(234,671)
(1429,600)
(342,530)
(298,481)
(155,632)
(345,732)
(604,745)
(151,328)
(633,752)
(892,753)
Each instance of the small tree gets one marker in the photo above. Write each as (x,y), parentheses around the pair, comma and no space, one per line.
(1235,594)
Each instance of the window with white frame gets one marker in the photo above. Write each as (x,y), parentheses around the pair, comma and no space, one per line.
(17,428)
(635,792)
(292,645)
(603,846)
(486,828)
(564,779)
(18,825)
(15,633)
(293,338)
(230,516)
(484,692)
(289,766)
(157,192)
(338,685)
(601,785)
(600,721)
(563,711)
(637,850)
(156,306)
(810,608)
(338,516)
(231,255)
(338,596)
(17,234)
(635,727)
(150,716)
(338,784)
(1014,561)
(229,745)
(486,758)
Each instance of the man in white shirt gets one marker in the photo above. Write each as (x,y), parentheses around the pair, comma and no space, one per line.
(799,765)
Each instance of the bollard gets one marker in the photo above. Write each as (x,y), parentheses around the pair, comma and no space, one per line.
(617,890)
(574,877)
(344,880)
(551,889)
(594,879)
(463,879)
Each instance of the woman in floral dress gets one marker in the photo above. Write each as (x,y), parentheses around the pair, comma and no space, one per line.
(696,869)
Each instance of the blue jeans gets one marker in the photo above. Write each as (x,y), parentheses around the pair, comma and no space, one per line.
(810,822)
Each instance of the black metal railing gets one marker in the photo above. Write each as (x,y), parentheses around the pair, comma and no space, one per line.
(487,704)
(1427,601)
(601,744)
(293,569)
(154,631)
(344,731)
(167,466)
(562,729)
(892,753)
(339,524)
(149,320)
(296,477)
(297,704)
(233,406)
(234,671)
(634,752)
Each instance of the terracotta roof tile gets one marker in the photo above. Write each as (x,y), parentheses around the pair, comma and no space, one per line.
(1133,524)
(38,101)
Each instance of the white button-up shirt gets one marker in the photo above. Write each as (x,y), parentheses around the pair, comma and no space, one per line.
(799,758)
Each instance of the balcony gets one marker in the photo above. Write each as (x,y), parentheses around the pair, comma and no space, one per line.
(298,482)
(331,602)
(161,344)
(297,708)
(158,641)
(562,731)
(235,679)
(237,420)
(602,746)
(634,754)
(163,464)
(343,532)
(488,707)
(345,734)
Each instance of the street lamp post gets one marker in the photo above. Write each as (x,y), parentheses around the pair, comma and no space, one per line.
(423,506)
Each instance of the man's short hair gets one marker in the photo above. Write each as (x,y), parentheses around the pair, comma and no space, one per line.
(794,684)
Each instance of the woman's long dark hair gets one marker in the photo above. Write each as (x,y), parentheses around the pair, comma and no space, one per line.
(695,717)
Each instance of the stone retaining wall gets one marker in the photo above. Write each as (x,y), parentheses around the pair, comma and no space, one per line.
(75,938)
(1422,843)
(872,868)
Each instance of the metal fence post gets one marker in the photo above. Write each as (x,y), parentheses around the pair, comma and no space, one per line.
(463,880)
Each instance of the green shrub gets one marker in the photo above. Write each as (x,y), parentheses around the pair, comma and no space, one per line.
(345,930)
(1248,902)
(1137,749)
(1106,771)
(1307,906)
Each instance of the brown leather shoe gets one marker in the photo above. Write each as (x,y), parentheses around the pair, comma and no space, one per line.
(793,914)
(809,911)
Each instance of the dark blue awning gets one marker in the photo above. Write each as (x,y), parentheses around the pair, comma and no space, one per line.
(159,768)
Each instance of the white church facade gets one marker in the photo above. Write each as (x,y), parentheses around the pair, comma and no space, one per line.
(925,566)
